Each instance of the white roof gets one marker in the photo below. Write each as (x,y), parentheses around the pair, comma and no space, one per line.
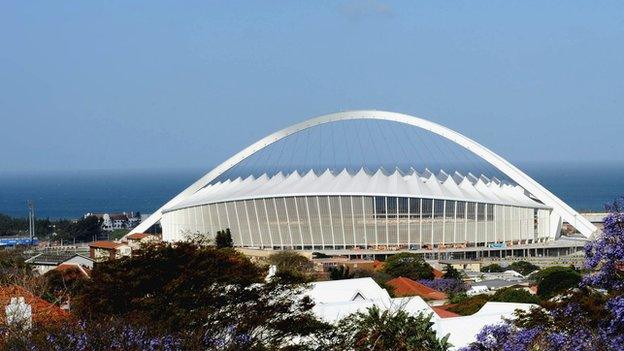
(463,330)
(346,290)
(337,299)
(380,183)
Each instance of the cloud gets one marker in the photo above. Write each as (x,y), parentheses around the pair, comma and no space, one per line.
(358,9)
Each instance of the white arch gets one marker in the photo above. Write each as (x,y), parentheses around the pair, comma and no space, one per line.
(560,209)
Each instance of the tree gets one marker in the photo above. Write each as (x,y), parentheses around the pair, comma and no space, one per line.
(408,265)
(223,239)
(493,268)
(340,272)
(292,266)
(451,273)
(514,295)
(208,298)
(449,286)
(82,230)
(63,285)
(470,305)
(523,267)
(377,330)
(605,256)
(555,280)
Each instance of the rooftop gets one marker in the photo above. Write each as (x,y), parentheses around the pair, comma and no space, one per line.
(137,236)
(42,311)
(109,245)
(381,183)
(51,258)
(408,287)
(68,267)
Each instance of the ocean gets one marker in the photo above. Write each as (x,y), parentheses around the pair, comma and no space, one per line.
(72,194)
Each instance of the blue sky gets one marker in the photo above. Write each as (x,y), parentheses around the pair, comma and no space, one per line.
(122,85)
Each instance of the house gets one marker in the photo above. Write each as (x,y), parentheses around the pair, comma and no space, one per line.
(477,289)
(495,284)
(337,299)
(137,239)
(47,261)
(108,250)
(115,221)
(81,270)
(42,311)
(442,312)
(408,287)
(463,330)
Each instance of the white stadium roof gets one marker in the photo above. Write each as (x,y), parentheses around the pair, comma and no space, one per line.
(364,183)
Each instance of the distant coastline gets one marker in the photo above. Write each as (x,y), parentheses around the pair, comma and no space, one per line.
(586,187)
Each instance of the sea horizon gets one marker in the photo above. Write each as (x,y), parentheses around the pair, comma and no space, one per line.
(586,186)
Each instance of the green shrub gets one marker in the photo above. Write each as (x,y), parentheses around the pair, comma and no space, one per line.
(555,280)
(523,267)
(514,295)
(470,305)
(408,265)
(493,268)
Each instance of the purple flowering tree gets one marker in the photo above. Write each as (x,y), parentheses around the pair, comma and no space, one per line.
(605,255)
(586,319)
(449,286)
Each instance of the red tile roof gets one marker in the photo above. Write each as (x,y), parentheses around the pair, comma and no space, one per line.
(42,310)
(407,287)
(105,245)
(437,274)
(137,236)
(68,267)
(443,313)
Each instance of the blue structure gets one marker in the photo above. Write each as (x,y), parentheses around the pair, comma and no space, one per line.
(24,241)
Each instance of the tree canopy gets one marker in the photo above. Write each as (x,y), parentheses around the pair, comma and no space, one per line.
(555,280)
(340,272)
(223,239)
(493,268)
(292,266)
(377,330)
(408,265)
(451,273)
(523,267)
(514,295)
(188,288)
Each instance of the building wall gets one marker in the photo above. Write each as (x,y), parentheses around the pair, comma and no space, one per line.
(347,222)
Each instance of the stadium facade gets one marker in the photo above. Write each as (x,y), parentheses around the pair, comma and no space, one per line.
(375,210)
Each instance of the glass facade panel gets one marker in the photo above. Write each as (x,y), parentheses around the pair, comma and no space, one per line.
(239,210)
(369,220)
(282,222)
(293,222)
(315,220)
(234,228)
(273,223)
(359,219)
(326,222)
(392,223)
(304,222)
(336,221)
(348,224)
(255,232)
(449,222)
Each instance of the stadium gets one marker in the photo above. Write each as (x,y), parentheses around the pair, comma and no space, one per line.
(275,205)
